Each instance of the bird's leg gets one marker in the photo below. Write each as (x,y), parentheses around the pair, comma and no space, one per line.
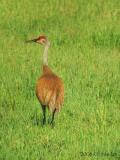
(53,115)
(44,114)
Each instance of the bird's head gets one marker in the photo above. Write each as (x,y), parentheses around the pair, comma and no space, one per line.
(41,40)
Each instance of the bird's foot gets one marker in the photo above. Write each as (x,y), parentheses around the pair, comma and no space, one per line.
(43,122)
(52,123)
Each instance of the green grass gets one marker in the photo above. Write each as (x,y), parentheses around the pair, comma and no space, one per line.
(85,52)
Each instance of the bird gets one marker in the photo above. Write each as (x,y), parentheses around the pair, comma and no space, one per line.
(49,86)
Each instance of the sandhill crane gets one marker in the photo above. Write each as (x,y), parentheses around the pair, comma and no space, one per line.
(50,87)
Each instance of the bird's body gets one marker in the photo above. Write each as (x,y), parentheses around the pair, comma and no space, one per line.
(49,88)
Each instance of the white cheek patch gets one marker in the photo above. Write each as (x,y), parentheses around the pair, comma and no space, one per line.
(42,40)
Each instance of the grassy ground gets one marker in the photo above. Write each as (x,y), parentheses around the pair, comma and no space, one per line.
(85,52)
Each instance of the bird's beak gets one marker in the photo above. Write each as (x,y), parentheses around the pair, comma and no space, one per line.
(32,40)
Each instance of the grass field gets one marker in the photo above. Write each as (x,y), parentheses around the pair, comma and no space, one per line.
(85,52)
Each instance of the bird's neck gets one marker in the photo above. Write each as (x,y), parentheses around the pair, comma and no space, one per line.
(45,54)
(47,70)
